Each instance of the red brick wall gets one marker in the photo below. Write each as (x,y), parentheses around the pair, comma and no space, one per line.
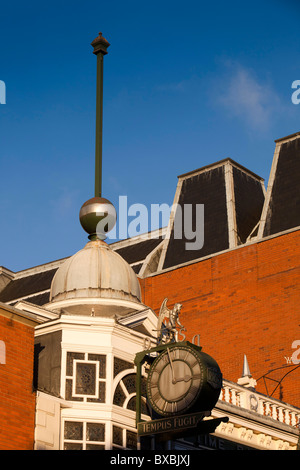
(17,400)
(244,301)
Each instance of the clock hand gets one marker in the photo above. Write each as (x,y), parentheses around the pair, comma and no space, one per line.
(186,378)
(172,368)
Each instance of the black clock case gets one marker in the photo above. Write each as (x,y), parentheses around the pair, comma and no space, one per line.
(211,383)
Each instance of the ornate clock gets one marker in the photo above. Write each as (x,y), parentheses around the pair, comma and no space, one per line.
(183,376)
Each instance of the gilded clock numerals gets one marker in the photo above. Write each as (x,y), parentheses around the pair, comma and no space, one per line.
(181,405)
(193,363)
(175,353)
(155,395)
(161,364)
(161,403)
(154,384)
(155,376)
(165,406)
(192,391)
(165,359)
(185,354)
(197,376)
(174,407)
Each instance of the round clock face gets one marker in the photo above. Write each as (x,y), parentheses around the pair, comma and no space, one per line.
(175,380)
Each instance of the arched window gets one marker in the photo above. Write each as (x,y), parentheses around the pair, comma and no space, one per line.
(125,391)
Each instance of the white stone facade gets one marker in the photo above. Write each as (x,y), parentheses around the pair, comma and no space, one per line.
(86,338)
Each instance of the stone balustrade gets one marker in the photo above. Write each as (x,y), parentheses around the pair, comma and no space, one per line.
(252,400)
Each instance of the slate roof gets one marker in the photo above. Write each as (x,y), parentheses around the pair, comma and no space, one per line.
(232,197)
(35,288)
(237,209)
(27,286)
(138,251)
(282,211)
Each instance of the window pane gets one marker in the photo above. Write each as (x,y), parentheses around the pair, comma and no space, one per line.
(85,379)
(131,439)
(101,397)
(102,392)
(120,365)
(70,357)
(144,387)
(69,389)
(119,396)
(69,396)
(130,383)
(144,408)
(95,432)
(72,446)
(102,363)
(73,430)
(132,404)
(95,447)
(117,435)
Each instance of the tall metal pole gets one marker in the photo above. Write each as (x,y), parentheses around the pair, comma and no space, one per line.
(98,215)
(100,45)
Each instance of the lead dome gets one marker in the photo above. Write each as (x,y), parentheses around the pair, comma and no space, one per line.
(96,280)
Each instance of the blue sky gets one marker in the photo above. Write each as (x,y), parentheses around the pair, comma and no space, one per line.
(185,84)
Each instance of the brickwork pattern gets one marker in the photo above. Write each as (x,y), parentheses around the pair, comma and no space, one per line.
(242,301)
(17,399)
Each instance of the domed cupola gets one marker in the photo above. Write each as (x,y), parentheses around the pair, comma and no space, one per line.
(96,280)
(95,276)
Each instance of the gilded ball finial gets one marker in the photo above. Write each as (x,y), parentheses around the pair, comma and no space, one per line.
(97,217)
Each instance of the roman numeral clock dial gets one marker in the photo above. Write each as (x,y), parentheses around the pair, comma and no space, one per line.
(175,380)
